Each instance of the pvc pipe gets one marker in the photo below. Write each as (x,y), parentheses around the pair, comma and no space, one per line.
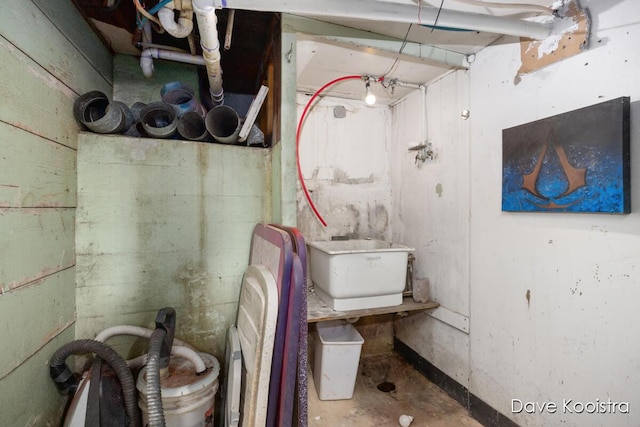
(180,29)
(423,106)
(207,23)
(395,12)
(135,331)
(530,7)
(179,349)
(147,56)
(228,34)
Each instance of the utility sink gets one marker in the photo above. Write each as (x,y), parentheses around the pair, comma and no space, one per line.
(358,274)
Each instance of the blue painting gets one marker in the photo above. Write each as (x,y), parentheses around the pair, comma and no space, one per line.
(572,162)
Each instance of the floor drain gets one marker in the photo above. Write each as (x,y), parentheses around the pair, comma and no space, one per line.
(386,387)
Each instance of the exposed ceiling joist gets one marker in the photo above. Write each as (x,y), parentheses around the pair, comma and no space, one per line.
(349,36)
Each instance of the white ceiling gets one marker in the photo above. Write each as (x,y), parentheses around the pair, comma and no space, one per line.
(321,60)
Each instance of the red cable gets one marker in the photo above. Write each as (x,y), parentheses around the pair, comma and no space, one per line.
(300,123)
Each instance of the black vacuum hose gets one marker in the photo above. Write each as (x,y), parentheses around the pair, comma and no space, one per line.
(155,409)
(64,378)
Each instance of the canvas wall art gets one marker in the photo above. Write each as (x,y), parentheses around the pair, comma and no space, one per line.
(572,162)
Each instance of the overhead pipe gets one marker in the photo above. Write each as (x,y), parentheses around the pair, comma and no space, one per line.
(423,107)
(205,11)
(147,56)
(395,12)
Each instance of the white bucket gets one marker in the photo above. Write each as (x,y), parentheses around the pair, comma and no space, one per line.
(187,398)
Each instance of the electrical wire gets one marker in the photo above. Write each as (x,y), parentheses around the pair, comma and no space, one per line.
(299,131)
(146,14)
(151,12)
(395,62)
(437,16)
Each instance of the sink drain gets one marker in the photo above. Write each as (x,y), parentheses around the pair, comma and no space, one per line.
(386,387)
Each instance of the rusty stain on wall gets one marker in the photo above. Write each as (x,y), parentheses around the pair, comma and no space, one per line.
(204,165)
(528,297)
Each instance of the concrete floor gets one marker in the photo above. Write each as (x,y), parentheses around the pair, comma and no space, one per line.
(414,395)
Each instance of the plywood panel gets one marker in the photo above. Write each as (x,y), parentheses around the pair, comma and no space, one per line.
(35,244)
(29,396)
(536,54)
(164,222)
(35,172)
(24,310)
(24,25)
(33,99)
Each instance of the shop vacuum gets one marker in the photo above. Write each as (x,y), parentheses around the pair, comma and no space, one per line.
(177,387)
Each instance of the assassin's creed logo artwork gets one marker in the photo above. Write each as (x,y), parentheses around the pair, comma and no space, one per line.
(572,162)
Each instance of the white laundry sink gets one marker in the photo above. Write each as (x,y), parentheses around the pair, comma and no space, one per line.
(358,274)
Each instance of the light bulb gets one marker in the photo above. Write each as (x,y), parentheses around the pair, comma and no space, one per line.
(370,99)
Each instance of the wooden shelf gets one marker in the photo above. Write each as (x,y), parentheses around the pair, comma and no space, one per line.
(317,311)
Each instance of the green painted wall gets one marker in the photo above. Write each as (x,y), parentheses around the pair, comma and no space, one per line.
(284,152)
(101,230)
(38,140)
(166,223)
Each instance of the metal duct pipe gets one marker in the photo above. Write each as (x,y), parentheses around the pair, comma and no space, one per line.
(395,12)
(207,23)
(182,98)
(147,56)
(98,114)
(191,126)
(159,120)
(223,124)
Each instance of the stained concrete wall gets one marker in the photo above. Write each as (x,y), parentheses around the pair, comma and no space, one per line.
(38,141)
(550,297)
(346,170)
(166,223)
(431,213)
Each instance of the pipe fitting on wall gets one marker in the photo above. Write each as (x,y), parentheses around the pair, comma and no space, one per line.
(147,56)
(184,26)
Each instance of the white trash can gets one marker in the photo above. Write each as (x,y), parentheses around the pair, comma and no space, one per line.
(337,354)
